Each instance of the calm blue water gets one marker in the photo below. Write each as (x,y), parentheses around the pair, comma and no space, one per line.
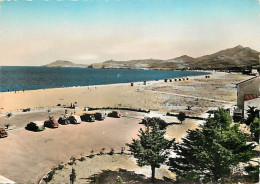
(15,78)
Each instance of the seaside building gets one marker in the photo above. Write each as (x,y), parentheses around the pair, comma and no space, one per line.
(248,94)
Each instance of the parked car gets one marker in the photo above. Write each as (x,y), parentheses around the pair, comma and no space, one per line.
(64,120)
(99,116)
(114,114)
(34,127)
(51,123)
(74,119)
(3,133)
(87,117)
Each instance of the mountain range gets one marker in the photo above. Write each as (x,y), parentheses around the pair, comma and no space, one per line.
(233,58)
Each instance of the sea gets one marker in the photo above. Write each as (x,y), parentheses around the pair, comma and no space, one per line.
(17,78)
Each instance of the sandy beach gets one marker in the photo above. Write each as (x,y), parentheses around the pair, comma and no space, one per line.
(35,153)
(156,95)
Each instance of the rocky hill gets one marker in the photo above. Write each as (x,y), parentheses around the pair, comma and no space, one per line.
(232,58)
(62,63)
(236,58)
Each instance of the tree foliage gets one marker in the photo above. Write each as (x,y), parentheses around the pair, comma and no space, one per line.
(252,113)
(255,129)
(207,153)
(154,121)
(151,147)
(181,117)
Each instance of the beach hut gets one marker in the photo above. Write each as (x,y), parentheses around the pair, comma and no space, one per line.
(179,79)
(170,80)
(144,82)
(175,79)
(187,78)
(183,79)
(132,84)
(165,80)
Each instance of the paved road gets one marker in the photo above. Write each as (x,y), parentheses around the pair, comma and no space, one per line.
(27,156)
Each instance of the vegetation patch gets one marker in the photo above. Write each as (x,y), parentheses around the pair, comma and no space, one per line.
(118,108)
(123,176)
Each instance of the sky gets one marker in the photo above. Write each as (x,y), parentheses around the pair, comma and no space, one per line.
(37,32)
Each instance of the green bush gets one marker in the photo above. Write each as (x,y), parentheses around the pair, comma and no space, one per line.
(112,151)
(254,129)
(72,161)
(119,180)
(49,176)
(60,167)
(253,173)
(82,159)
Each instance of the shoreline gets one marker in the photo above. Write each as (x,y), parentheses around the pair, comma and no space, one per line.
(60,91)
(155,95)
(206,72)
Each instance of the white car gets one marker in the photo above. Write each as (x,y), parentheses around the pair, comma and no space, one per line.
(74,119)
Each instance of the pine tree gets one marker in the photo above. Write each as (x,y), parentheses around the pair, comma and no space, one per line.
(209,152)
(151,148)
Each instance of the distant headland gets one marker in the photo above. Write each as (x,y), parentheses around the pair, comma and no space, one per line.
(238,57)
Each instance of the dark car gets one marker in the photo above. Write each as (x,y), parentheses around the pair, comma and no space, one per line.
(87,117)
(3,133)
(64,120)
(75,119)
(51,123)
(27,110)
(34,127)
(99,116)
(114,114)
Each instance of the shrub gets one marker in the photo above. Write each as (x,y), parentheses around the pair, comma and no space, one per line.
(181,117)
(49,176)
(119,180)
(112,151)
(254,129)
(155,121)
(82,159)
(253,173)
(60,167)
(72,161)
